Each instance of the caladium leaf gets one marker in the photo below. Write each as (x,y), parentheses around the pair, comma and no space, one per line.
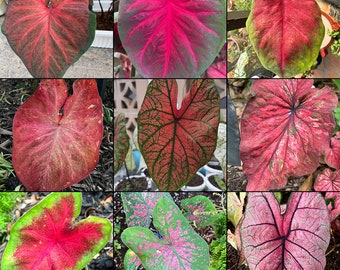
(46,238)
(120,142)
(328,181)
(235,207)
(297,239)
(332,153)
(286,37)
(172,38)
(49,36)
(175,143)
(131,260)
(179,248)
(333,207)
(56,137)
(138,206)
(200,210)
(285,129)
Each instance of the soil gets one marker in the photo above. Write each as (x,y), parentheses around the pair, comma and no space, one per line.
(13,92)
(104,21)
(132,184)
(196,181)
(213,182)
(216,167)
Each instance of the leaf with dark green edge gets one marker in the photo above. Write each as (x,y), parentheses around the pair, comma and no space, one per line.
(120,142)
(180,247)
(49,36)
(138,206)
(286,37)
(46,236)
(131,260)
(200,210)
(174,142)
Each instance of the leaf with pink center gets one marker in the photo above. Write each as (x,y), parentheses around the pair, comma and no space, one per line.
(328,180)
(333,205)
(332,153)
(285,129)
(120,142)
(179,248)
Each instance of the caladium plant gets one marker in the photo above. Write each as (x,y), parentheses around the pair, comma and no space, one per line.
(295,239)
(179,248)
(120,142)
(285,129)
(286,37)
(56,137)
(46,237)
(49,35)
(327,180)
(172,38)
(332,153)
(174,142)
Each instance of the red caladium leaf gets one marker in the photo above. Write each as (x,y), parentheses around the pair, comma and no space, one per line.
(120,142)
(175,143)
(49,36)
(179,248)
(285,129)
(286,37)
(328,181)
(332,153)
(297,239)
(138,206)
(56,137)
(46,238)
(172,38)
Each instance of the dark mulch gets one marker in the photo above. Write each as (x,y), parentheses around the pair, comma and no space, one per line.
(13,92)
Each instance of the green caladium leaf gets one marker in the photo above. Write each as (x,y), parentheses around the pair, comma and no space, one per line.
(131,260)
(138,206)
(180,247)
(120,142)
(235,207)
(200,210)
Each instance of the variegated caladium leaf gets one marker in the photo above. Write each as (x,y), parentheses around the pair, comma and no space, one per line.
(235,207)
(56,137)
(131,260)
(49,36)
(174,142)
(179,248)
(138,206)
(286,37)
(296,239)
(172,38)
(120,142)
(332,153)
(285,129)
(46,236)
(328,180)
(200,210)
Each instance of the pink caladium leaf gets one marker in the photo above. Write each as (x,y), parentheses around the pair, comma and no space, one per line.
(49,36)
(297,239)
(200,210)
(286,37)
(120,142)
(56,137)
(174,142)
(131,260)
(172,38)
(332,153)
(179,248)
(333,206)
(328,181)
(138,206)
(46,237)
(285,129)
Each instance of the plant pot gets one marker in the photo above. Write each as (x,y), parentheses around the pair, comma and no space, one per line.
(210,182)
(3,7)
(134,183)
(145,172)
(330,24)
(196,184)
(213,167)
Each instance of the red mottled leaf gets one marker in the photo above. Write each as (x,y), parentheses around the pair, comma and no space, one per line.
(328,181)
(332,153)
(285,129)
(286,35)
(120,142)
(49,37)
(175,143)
(296,239)
(56,137)
(179,248)
(172,38)
(47,238)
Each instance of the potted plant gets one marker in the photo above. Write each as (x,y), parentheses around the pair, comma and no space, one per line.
(332,35)
(133,183)
(197,183)
(215,182)
(103,38)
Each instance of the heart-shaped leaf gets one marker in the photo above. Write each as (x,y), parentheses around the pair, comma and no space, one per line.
(138,206)
(56,137)
(179,248)
(328,181)
(120,142)
(285,129)
(286,37)
(49,36)
(199,209)
(332,153)
(297,239)
(172,38)
(46,238)
(131,260)
(175,143)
